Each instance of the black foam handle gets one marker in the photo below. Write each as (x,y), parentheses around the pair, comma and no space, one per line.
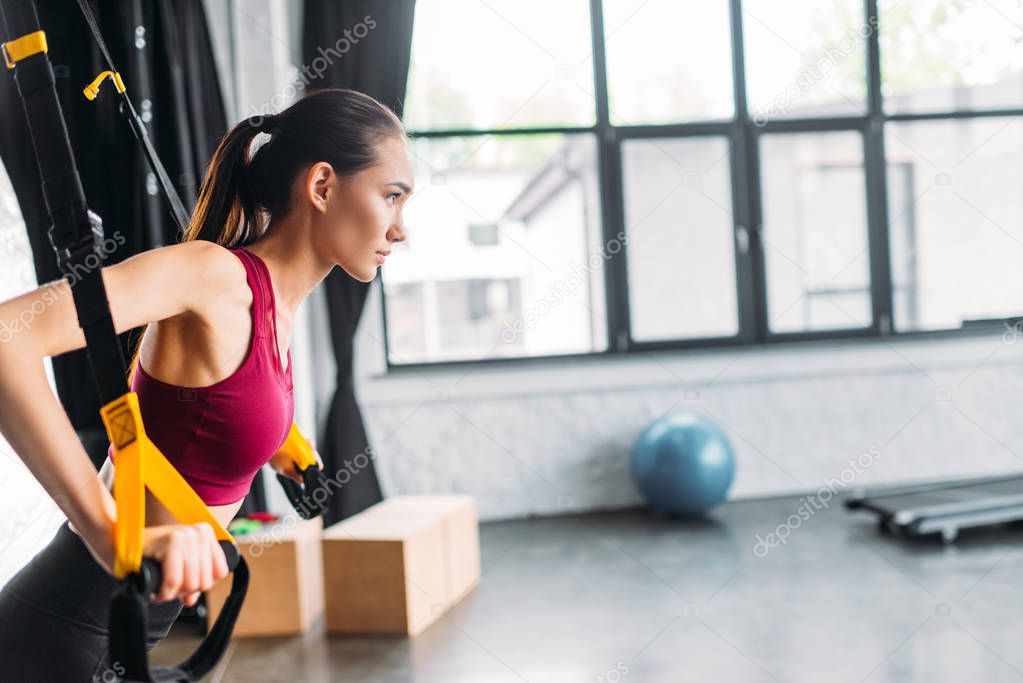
(151,572)
(303,496)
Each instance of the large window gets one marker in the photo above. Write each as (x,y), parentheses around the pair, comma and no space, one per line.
(642,174)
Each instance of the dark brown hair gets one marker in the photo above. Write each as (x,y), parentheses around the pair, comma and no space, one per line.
(240,193)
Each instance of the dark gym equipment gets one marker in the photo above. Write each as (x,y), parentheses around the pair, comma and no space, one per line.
(942,508)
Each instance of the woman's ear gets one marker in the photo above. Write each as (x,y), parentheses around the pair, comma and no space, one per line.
(319,182)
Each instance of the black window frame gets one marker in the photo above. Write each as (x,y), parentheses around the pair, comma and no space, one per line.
(743,136)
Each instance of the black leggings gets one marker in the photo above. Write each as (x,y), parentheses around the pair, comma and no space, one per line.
(54,613)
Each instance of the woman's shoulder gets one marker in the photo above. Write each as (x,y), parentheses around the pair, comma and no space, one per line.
(216,275)
(221,266)
(220,260)
(208,261)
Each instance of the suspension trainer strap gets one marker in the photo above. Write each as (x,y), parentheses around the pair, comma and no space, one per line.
(177,208)
(77,235)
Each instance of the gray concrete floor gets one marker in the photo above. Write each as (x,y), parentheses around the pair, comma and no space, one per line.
(631,597)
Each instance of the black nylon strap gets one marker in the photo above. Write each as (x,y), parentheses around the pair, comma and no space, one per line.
(128,633)
(74,229)
(177,208)
(61,186)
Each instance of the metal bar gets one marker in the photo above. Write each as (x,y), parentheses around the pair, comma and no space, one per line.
(942,115)
(609,169)
(741,169)
(876,170)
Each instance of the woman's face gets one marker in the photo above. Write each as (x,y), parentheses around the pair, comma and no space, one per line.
(363,213)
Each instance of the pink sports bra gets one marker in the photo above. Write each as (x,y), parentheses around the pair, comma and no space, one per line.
(218,436)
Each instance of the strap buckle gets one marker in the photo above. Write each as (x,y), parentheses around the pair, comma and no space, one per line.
(70,254)
(18,49)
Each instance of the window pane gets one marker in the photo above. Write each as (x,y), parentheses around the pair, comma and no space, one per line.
(954,215)
(404,303)
(668,61)
(538,289)
(940,55)
(681,257)
(518,65)
(805,58)
(815,231)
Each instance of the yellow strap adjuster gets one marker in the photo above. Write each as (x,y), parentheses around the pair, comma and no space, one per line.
(26,46)
(92,89)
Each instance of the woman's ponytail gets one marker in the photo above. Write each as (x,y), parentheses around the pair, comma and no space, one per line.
(225,211)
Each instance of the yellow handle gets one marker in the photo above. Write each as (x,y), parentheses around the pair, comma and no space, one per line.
(298,449)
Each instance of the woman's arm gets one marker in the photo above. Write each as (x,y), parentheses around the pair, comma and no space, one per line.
(148,287)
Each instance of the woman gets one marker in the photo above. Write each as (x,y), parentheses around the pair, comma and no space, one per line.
(327,188)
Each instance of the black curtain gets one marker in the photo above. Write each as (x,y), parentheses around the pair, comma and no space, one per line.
(163,52)
(364,45)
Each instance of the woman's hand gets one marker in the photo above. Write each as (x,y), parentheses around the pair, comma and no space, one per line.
(192,560)
(282,463)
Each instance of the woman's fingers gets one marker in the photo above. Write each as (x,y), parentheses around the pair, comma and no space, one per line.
(190,580)
(207,541)
(191,560)
(172,571)
(220,568)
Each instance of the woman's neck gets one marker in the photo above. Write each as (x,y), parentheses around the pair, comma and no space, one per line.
(294,267)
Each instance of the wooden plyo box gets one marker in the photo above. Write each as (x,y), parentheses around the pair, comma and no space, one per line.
(285,594)
(397,566)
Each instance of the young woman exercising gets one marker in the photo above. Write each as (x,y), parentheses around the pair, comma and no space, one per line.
(328,188)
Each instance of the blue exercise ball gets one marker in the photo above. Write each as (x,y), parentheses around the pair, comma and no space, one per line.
(683,464)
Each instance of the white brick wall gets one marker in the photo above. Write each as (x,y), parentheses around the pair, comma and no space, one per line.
(517,437)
